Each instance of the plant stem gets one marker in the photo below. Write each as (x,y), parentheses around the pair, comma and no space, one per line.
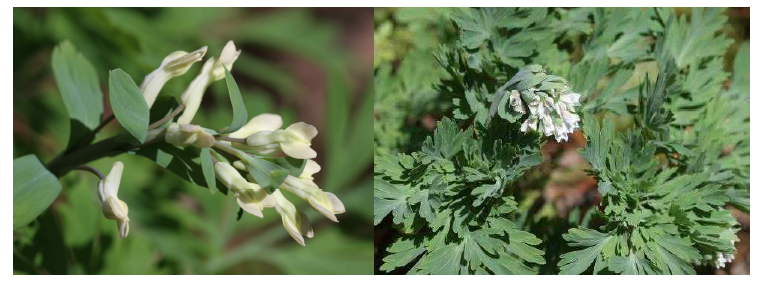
(230,150)
(97,129)
(168,117)
(63,164)
(90,169)
(238,140)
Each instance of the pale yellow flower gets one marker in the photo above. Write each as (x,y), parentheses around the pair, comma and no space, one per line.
(296,223)
(187,134)
(112,207)
(173,65)
(211,72)
(295,141)
(250,196)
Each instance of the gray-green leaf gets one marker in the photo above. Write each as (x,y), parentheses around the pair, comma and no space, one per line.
(128,104)
(34,189)
(208,166)
(239,109)
(79,86)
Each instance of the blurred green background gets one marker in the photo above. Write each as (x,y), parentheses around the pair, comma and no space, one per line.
(310,65)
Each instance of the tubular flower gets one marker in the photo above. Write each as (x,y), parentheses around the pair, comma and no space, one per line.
(296,223)
(549,100)
(250,196)
(294,141)
(112,207)
(325,203)
(173,65)
(187,134)
(262,122)
(211,72)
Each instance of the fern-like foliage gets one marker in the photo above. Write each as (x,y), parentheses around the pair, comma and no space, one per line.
(665,182)
(667,141)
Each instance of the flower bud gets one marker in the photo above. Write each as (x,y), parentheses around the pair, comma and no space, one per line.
(187,134)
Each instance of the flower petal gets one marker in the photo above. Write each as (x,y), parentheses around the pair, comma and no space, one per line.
(298,150)
(262,122)
(302,130)
(335,203)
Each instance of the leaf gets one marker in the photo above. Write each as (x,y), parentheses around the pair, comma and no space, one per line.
(267,174)
(578,261)
(293,166)
(444,261)
(79,85)
(697,39)
(391,199)
(128,104)
(184,162)
(598,142)
(401,253)
(239,109)
(207,167)
(633,264)
(448,139)
(34,189)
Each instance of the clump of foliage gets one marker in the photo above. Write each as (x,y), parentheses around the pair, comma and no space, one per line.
(664,180)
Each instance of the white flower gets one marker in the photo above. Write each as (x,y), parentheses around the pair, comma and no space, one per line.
(294,141)
(324,202)
(112,207)
(296,223)
(173,65)
(211,72)
(722,260)
(187,134)
(250,196)
(552,112)
(547,102)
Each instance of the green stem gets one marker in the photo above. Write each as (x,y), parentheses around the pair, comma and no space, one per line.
(61,165)
(227,148)
(168,117)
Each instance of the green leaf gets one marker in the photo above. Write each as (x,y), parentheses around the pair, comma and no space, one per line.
(34,189)
(79,86)
(267,174)
(689,42)
(578,261)
(184,162)
(293,166)
(128,104)
(443,261)
(401,253)
(239,109)
(392,199)
(208,169)
(633,264)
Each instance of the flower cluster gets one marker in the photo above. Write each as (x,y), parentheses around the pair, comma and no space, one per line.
(261,135)
(547,101)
